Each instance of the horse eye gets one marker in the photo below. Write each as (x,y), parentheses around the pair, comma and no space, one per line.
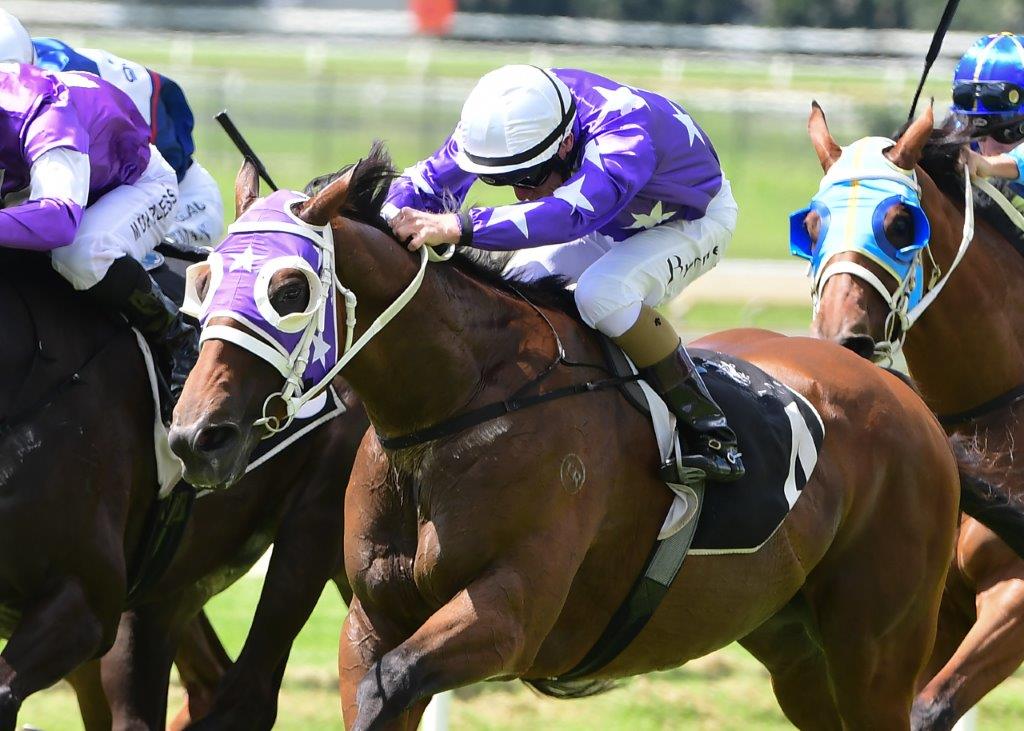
(290,295)
(901,227)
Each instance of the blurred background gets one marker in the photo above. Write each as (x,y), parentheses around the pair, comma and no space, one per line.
(312,82)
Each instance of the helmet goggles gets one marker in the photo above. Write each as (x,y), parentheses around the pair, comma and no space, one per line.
(987,97)
(531,177)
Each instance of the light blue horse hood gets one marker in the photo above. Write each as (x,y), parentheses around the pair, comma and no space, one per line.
(863,179)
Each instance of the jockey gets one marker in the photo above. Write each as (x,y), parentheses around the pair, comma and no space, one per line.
(620,191)
(988,93)
(199,221)
(81,181)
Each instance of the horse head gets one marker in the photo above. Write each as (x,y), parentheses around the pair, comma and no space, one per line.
(265,299)
(864,235)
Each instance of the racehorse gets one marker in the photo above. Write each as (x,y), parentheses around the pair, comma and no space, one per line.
(476,555)
(966,354)
(74,392)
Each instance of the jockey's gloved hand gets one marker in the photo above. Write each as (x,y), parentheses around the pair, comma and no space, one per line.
(420,228)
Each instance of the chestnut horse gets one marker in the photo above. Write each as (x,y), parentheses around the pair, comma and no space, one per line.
(468,560)
(74,393)
(966,354)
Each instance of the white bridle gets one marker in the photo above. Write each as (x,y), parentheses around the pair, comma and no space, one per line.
(293,365)
(898,300)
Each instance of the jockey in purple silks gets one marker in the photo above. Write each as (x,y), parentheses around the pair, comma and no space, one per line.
(81,181)
(200,218)
(620,191)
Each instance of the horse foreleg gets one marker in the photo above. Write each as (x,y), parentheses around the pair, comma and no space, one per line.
(492,628)
(307,551)
(92,701)
(55,635)
(136,671)
(798,669)
(991,651)
(202,662)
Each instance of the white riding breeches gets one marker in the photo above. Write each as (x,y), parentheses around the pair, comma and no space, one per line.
(200,220)
(613,279)
(130,220)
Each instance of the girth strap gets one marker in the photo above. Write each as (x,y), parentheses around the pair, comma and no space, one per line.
(648,590)
(1008,398)
(495,410)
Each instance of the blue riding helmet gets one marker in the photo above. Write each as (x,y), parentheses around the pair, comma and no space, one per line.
(989,79)
(853,219)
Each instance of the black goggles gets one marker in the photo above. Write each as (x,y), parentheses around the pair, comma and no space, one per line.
(990,96)
(1008,134)
(531,177)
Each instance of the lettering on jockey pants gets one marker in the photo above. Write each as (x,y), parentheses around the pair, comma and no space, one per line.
(676,264)
(155,213)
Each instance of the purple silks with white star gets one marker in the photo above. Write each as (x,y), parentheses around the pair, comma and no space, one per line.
(641,160)
(235,268)
(80,112)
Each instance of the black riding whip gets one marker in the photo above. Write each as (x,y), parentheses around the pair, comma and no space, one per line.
(933,50)
(243,146)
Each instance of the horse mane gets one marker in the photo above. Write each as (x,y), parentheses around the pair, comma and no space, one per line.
(371,178)
(941,160)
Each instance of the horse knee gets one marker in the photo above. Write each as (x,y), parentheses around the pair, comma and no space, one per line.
(934,714)
(10,704)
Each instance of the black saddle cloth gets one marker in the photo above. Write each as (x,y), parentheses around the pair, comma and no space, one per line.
(779,447)
(779,434)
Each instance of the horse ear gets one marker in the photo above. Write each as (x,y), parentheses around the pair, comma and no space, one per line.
(247,187)
(827,148)
(906,153)
(319,209)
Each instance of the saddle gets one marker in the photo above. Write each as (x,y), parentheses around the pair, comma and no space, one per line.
(780,434)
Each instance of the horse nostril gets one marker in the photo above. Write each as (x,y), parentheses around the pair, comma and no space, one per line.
(862,345)
(215,438)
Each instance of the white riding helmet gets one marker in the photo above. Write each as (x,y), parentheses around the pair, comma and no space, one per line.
(15,42)
(514,118)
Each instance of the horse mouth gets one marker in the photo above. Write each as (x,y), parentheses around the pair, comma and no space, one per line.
(214,456)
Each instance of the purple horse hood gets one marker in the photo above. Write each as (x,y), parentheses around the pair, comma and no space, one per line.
(266,239)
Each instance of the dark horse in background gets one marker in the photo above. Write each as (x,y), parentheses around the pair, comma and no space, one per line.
(77,484)
(469,560)
(966,354)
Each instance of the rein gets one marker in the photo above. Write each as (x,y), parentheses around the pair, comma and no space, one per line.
(515,402)
(293,365)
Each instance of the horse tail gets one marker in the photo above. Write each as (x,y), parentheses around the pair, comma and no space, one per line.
(989,504)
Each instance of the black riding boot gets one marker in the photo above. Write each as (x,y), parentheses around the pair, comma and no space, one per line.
(677,381)
(128,288)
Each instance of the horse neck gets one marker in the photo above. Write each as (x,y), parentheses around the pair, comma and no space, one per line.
(458,342)
(967,347)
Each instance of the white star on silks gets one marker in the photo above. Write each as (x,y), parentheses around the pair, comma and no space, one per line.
(245,260)
(572,193)
(320,349)
(621,100)
(688,122)
(647,220)
(592,154)
(516,213)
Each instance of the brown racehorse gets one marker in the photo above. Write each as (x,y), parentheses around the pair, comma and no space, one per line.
(74,393)
(966,353)
(470,562)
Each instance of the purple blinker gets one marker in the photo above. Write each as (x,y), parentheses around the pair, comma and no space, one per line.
(241,268)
